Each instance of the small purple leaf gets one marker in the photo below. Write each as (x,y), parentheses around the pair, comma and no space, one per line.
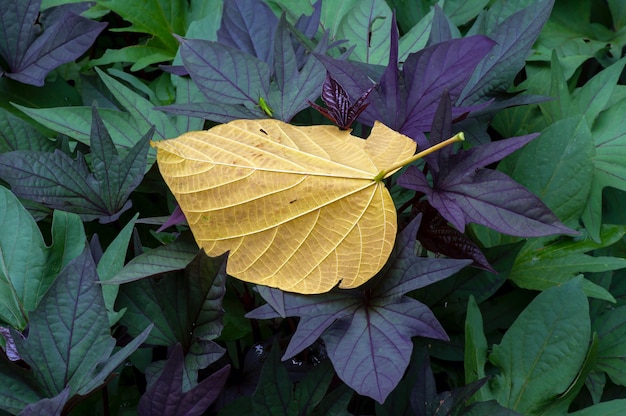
(176,218)
(340,110)
(47,407)
(166,397)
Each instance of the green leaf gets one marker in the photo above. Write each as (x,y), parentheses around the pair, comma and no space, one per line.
(539,267)
(140,109)
(611,328)
(611,408)
(542,352)
(274,392)
(593,97)
(461,12)
(163,259)
(68,338)
(140,56)
(609,134)
(30,266)
(184,307)
(311,390)
(557,167)
(17,390)
(475,356)
(367,26)
(75,122)
(160,18)
(333,13)
(111,263)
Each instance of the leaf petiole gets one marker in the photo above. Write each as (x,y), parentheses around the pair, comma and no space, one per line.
(459,137)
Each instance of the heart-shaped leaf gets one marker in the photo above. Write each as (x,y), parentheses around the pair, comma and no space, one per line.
(299,208)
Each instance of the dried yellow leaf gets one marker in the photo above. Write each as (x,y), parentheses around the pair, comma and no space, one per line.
(298,208)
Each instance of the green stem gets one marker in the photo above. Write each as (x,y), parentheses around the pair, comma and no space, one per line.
(459,137)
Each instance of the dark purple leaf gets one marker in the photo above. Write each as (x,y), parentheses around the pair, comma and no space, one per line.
(489,198)
(514,37)
(368,332)
(249,26)
(407,101)
(437,236)
(224,74)
(31,57)
(59,182)
(175,70)
(340,110)
(166,397)
(17,29)
(291,88)
(9,345)
(453,61)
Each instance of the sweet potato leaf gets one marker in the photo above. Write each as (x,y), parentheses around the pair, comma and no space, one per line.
(368,333)
(540,266)
(32,52)
(30,265)
(47,407)
(276,394)
(316,213)
(543,350)
(407,100)
(17,134)
(240,80)
(514,36)
(463,191)
(249,26)
(159,18)
(71,317)
(58,181)
(166,396)
(185,307)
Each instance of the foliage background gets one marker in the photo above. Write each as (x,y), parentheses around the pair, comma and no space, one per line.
(102,310)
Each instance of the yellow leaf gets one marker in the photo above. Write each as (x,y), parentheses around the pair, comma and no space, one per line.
(298,208)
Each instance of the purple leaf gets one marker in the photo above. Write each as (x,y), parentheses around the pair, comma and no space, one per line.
(47,407)
(176,218)
(9,344)
(166,397)
(58,181)
(340,110)
(453,61)
(17,29)
(514,37)
(437,236)
(225,74)
(291,89)
(30,57)
(249,26)
(368,331)
(441,29)
(407,101)
(489,198)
